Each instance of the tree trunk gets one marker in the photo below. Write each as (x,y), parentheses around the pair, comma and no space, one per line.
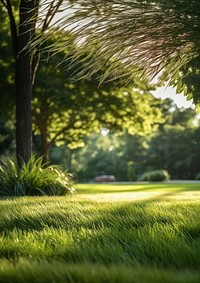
(45,145)
(23,82)
(70,160)
(23,107)
(45,152)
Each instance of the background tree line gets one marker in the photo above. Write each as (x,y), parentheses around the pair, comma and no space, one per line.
(175,147)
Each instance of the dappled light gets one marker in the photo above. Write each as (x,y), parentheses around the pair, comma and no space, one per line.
(146,196)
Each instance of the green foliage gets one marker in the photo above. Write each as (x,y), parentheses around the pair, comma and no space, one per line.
(6,136)
(198,176)
(7,90)
(157,175)
(64,115)
(131,173)
(141,34)
(116,154)
(175,146)
(6,66)
(187,80)
(33,178)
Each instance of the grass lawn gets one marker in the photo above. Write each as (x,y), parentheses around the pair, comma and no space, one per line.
(123,233)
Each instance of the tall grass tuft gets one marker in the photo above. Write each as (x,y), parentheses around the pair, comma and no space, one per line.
(33,179)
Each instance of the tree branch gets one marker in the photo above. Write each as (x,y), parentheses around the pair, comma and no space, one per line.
(35,53)
(73,120)
(13,27)
(35,64)
(50,14)
(4,4)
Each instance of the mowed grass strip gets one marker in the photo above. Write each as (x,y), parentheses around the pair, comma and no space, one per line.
(114,237)
(138,187)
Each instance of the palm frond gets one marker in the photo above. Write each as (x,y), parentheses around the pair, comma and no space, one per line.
(135,34)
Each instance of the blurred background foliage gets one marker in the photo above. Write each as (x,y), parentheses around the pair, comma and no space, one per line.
(175,147)
(93,129)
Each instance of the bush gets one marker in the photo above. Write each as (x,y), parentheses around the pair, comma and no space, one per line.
(198,176)
(157,175)
(33,179)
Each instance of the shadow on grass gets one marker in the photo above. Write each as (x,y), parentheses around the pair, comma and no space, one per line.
(147,232)
(45,214)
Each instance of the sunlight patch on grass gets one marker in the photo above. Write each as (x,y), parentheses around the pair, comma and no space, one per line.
(141,187)
(134,196)
(116,197)
(192,196)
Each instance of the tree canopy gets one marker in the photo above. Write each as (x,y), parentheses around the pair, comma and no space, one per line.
(65,111)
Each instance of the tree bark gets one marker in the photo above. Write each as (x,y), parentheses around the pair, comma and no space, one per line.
(23,83)
(45,152)
(70,160)
(45,146)
(23,105)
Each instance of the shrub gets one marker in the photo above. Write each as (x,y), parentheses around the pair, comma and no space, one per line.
(157,175)
(198,176)
(33,179)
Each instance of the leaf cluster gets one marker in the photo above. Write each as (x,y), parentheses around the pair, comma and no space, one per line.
(187,80)
(144,35)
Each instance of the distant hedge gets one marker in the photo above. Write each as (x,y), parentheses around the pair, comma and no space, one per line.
(157,175)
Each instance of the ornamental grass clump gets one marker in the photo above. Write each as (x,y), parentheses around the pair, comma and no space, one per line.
(33,179)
